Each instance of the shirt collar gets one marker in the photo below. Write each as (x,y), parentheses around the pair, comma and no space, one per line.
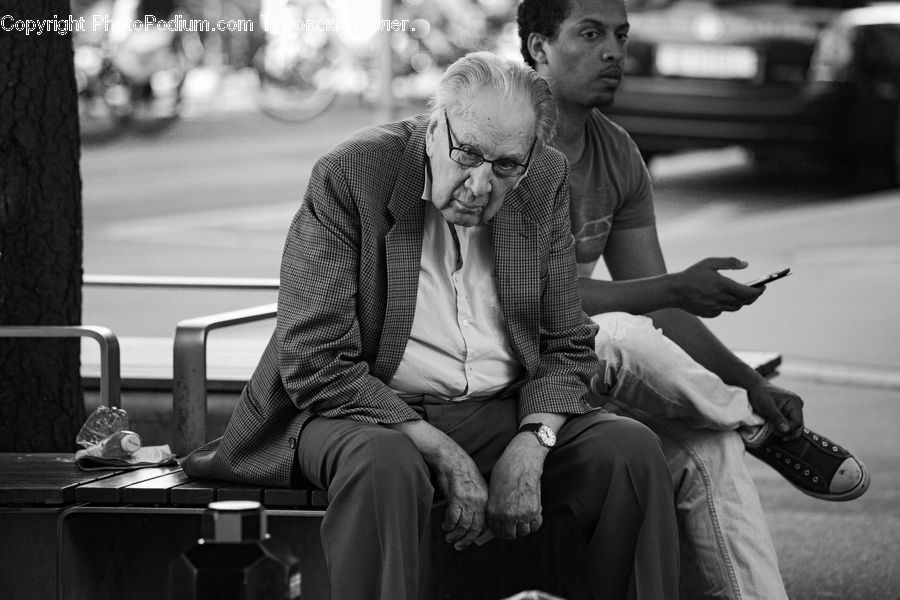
(426,191)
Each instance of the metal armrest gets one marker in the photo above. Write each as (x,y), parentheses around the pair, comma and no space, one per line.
(189,372)
(110,380)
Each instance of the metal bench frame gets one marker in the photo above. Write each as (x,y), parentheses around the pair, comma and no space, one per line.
(110,381)
(164,491)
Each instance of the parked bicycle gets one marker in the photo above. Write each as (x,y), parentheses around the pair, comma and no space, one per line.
(126,74)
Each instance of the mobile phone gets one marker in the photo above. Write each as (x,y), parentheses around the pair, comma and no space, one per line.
(769,278)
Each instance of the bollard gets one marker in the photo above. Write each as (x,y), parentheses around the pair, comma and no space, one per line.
(236,559)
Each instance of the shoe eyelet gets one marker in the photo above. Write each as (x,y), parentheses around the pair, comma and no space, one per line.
(797,466)
(835,448)
(806,472)
(815,437)
(824,444)
(815,480)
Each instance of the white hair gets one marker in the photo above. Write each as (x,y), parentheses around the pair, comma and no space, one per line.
(478,71)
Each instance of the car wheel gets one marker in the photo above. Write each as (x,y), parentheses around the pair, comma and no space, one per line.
(879,170)
(874,165)
(895,151)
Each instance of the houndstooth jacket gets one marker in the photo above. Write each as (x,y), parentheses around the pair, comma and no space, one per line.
(349,279)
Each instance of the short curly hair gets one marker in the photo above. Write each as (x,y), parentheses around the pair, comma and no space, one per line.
(540,16)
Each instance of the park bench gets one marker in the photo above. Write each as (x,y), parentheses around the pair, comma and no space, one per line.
(72,534)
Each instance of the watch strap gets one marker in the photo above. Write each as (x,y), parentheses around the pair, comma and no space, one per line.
(533,427)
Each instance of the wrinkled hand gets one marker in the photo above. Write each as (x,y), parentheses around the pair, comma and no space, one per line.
(514,504)
(779,406)
(467,494)
(704,292)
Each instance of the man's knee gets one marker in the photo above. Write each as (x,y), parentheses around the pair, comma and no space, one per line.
(620,326)
(620,444)
(384,459)
(630,341)
(638,445)
(706,459)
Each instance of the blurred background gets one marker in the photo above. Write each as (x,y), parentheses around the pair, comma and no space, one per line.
(771,128)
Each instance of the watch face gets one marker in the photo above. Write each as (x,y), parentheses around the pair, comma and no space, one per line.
(546,436)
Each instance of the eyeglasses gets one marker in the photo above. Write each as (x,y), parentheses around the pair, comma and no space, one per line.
(502,167)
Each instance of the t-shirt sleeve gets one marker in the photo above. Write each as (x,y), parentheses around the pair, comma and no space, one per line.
(610,190)
(635,206)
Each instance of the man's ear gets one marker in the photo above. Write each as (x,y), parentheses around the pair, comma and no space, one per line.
(536,48)
(429,135)
(525,174)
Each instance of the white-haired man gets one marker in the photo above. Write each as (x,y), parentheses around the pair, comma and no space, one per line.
(430,338)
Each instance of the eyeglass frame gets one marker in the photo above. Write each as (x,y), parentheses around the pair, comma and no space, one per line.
(483,160)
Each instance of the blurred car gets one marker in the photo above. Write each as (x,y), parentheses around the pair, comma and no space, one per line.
(780,77)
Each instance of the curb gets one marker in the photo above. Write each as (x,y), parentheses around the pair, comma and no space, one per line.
(835,373)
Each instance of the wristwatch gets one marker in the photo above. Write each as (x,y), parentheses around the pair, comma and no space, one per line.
(543,433)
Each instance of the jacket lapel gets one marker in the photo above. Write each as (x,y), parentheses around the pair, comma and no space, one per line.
(403,253)
(516,239)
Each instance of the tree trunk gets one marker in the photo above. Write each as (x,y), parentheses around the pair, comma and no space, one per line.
(41,404)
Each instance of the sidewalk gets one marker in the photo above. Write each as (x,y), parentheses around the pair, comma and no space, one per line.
(833,550)
(836,316)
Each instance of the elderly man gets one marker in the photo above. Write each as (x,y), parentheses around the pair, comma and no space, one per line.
(430,335)
(703,402)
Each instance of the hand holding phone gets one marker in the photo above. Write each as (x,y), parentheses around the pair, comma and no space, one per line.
(769,278)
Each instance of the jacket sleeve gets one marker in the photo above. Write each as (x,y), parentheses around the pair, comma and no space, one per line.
(318,331)
(568,359)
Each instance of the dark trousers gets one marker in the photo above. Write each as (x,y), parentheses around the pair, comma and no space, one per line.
(607,471)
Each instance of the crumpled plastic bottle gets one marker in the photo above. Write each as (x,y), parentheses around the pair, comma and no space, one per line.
(121,444)
(101,424)
(105,434)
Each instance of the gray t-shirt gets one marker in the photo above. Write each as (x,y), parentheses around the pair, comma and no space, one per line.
(610,189)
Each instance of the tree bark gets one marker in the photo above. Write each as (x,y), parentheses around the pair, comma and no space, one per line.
(41,404)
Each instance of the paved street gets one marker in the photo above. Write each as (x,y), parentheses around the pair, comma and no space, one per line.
(213,196)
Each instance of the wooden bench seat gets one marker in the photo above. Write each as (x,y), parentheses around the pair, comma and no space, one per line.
(48,479)
(112,534)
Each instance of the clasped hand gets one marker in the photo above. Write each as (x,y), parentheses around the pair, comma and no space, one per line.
(511,507)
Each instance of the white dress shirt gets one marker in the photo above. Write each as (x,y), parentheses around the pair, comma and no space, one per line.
(458,347)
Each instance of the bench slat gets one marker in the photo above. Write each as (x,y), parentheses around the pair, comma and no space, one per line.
(318,498)
(196,492)
(237,491)
(42,478)
(109,490)
(286,498)
(153,491)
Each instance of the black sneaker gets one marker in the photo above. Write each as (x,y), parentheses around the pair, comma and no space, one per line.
(815,465)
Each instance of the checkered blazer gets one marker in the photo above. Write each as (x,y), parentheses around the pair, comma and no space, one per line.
(349,279)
